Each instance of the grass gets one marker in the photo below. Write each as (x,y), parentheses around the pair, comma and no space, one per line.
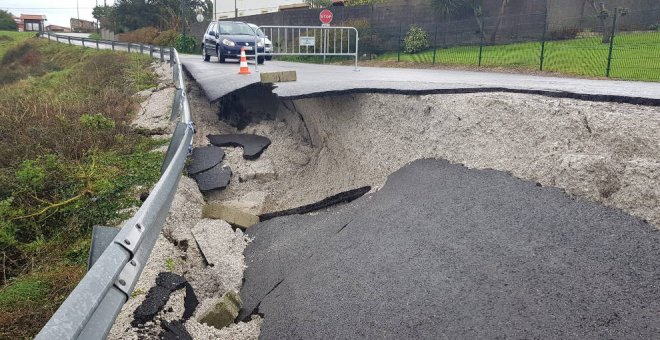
(10,39)
(69,159)
(636,56)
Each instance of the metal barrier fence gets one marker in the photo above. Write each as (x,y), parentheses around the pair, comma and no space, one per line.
(92,307)
(314,41)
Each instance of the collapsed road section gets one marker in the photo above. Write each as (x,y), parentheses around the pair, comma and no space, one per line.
(552,242)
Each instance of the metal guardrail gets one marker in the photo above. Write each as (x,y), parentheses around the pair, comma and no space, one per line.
(92,307)
(314,41)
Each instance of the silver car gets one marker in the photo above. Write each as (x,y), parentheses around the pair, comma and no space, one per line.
(268,48)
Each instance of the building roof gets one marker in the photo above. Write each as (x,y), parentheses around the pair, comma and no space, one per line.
(32,17)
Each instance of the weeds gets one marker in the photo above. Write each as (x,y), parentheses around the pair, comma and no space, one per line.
(68,160)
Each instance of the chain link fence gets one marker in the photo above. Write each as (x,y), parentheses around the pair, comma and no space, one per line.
(619,43)
(623,44)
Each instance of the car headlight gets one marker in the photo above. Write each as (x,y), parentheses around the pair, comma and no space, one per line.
(228,42)
(260,44)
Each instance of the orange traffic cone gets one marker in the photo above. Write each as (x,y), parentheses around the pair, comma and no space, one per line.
(244,66)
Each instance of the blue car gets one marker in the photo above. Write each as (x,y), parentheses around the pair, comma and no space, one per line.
(224,39)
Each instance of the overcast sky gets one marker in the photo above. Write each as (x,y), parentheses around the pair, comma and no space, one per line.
(58,12)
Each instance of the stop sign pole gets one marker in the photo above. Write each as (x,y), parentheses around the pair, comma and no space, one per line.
(326,18)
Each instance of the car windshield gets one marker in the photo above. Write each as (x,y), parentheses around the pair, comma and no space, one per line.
(235,28)
(259,31)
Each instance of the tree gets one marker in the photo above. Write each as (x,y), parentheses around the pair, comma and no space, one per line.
(446,8)
(363,2)
(129,15)
(7,22)
(319,3)
(498,22)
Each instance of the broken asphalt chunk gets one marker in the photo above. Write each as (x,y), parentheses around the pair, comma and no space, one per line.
(346,196)
(174,330)
(217,177)
(205,158)
(253,145)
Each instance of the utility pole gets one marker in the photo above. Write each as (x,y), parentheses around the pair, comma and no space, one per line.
(235,9)
(78,9)
(183,20)
(214,10)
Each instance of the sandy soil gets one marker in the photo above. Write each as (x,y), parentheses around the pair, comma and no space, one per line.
(604,152)
(176,248)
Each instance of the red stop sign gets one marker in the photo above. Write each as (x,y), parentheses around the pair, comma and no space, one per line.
(325,16)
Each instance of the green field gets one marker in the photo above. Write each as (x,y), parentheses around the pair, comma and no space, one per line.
(9,39)
(636,56)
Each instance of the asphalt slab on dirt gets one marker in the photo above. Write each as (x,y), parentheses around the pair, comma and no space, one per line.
(443,251)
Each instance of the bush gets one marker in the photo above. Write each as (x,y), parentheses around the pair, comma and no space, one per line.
(185,44)
(565,33)
(655,27)
(166,38)
(416,40)
(145,35)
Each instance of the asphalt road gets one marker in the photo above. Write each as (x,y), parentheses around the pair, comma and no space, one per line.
(217,80)
(442,251)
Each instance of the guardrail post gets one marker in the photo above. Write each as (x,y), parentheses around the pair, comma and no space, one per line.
(609,55)
(57,38)
(162,57)
(171,56)
(48,36)
(151,51)
(97,44)
(141,49)
(69,40)
(83,41)
(129,47)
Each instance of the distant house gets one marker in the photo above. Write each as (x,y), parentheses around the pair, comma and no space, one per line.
(82,26)
(56,28)
(225,9)
(31,22)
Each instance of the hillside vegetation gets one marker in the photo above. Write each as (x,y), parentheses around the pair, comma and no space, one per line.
(68,160)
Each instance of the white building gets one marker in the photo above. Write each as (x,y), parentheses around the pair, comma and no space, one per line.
(225,8)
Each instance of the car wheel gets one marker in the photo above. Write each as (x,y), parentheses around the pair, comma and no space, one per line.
(269,58)
(260,60)
(206,56)
(221,58)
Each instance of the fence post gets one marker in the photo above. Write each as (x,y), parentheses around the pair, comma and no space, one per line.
(435,42)
(481,49)
(609,56)
(398,54)
(545,30)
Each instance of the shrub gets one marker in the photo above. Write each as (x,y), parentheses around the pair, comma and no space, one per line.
(416,40)
(655,27)
(145,35)
(185,44)
(565,33)
(166,38)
